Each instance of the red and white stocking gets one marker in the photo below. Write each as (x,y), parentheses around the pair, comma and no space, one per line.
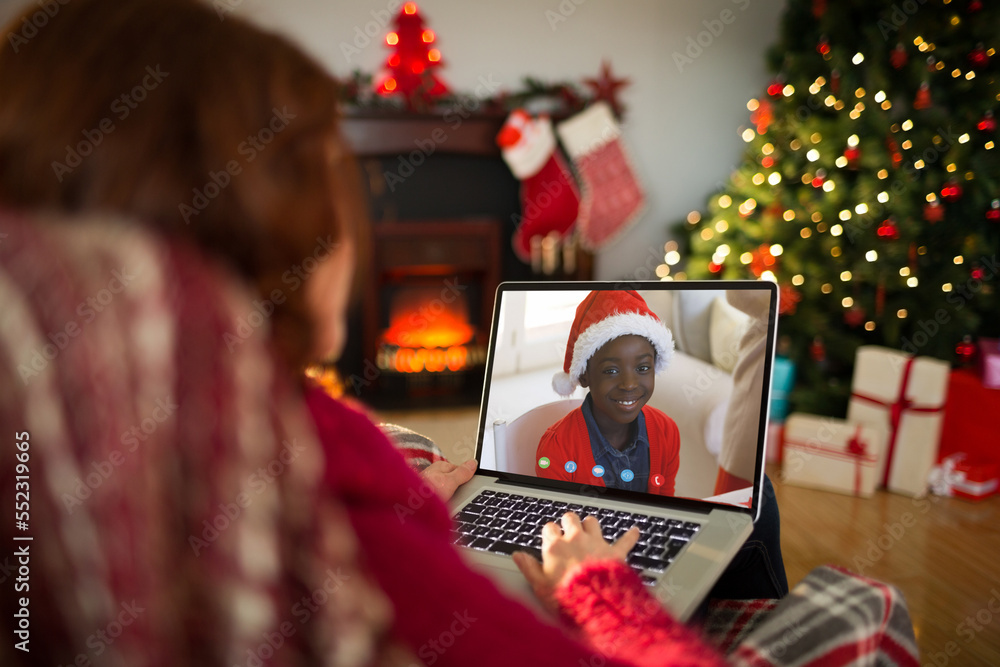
(612,196)
(549,197)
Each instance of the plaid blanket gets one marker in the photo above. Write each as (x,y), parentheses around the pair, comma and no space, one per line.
(832,617)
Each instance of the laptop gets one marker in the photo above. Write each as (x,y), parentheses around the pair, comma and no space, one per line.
(693,519)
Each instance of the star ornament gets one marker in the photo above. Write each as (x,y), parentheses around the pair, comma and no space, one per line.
(606,87)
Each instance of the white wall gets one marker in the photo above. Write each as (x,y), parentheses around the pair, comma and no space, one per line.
(682,122)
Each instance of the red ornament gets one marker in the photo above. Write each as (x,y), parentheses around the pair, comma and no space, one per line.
(974,6)
(923,98)
(774,90)
(762,259)
(952,191)
(853,154)
(993,215)
(714,268)
(897,157)
(789,299)
(817,349)
(606,87)
(979,57)
(819,178)
(977,273)
(854,316)
(988,123)
(819,8)
(898,57)
(933,212)
(411,67)
(966,351)
(767,162)
(888,230)
(762,116)
(823,47)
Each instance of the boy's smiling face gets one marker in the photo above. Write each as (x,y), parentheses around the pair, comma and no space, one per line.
(620,377)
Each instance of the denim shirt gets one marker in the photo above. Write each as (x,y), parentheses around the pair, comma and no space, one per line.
(634,457)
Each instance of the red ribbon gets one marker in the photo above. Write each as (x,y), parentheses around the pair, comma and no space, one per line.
(856,446)
(896,409)
(856,451)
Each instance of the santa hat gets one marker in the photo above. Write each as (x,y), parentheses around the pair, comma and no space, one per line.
(601,317)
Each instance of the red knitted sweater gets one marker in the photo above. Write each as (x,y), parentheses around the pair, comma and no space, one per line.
(450,615)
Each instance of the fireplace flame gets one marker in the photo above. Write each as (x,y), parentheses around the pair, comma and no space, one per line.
(430,334)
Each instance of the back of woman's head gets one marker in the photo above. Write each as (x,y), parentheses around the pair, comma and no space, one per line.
(186,118)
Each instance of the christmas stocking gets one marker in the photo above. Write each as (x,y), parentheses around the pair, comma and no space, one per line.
(612,197)
(549,198)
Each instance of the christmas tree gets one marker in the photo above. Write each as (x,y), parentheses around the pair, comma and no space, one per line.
(870,189)
(410,68)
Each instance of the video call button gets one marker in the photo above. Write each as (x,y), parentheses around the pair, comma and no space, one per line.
(658,480)
(544,462)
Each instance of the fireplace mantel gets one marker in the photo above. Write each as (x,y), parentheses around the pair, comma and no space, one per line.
(372,134)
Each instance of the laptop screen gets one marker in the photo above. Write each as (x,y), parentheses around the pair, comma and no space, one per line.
(656,391)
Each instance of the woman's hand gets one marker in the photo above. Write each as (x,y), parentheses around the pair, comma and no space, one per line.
(445,477)
(562,551)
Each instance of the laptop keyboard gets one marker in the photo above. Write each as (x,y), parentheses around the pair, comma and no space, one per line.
(503,523)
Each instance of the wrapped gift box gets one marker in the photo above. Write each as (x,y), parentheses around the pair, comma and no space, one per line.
(970,418)
(989,362)
(831,454)
(964,477)
(782,381)
(904,396)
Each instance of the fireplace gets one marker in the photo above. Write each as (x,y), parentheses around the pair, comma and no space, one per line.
(430,308)
(443,206)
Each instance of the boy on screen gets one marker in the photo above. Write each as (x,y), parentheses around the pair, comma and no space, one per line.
(616,346)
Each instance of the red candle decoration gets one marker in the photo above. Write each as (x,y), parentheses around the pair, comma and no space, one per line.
(413,61)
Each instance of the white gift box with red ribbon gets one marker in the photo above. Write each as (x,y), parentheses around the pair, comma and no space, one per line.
(831,454)
(904,396)
(959,476)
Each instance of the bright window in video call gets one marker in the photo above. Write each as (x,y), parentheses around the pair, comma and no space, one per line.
(631,420)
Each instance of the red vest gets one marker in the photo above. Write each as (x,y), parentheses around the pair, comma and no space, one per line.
(569,440)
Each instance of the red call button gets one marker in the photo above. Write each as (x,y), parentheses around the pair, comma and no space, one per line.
(657,480)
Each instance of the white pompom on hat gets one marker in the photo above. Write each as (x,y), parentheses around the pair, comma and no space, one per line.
(602,316)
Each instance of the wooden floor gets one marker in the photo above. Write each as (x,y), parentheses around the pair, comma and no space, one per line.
(943,553)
